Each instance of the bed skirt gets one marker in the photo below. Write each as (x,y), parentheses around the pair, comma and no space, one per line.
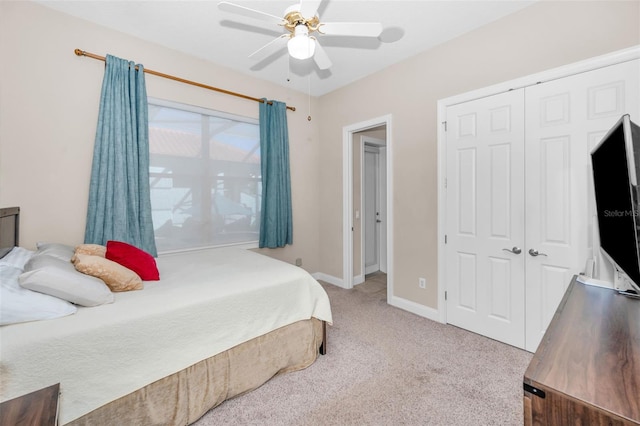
(184,397)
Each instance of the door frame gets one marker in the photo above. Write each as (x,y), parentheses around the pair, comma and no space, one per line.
(530,80)
(347,198)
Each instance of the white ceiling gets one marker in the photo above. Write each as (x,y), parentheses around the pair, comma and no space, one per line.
(200,29)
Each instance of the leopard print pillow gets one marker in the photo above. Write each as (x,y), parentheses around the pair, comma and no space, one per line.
(116,276)
(91,249)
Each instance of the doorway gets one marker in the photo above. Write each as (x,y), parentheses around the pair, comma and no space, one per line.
(373,203)
(376,134)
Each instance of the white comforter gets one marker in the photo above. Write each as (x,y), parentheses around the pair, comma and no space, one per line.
(205,303)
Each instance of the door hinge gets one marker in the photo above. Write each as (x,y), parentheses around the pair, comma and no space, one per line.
(445,183)
(445,295)
(444,123)
(445,239)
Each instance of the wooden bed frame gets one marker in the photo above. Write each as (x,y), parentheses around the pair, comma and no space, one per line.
(182,398)
(9,229)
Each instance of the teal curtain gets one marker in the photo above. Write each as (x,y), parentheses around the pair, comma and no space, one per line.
(119,195)
(276,221)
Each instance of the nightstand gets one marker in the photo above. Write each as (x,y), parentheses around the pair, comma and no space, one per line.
(39,408)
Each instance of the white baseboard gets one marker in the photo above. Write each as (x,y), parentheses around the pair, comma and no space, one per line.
(320,276)
(398,302)
(371,269)
(415,308)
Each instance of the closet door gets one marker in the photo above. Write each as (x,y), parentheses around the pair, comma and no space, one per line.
(485,218)
(565,118)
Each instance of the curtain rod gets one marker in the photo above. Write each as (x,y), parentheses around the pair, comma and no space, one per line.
(79,52)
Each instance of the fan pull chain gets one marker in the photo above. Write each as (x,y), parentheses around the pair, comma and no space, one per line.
(309,98)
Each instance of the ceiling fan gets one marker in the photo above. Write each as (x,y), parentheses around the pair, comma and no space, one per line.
(301,21)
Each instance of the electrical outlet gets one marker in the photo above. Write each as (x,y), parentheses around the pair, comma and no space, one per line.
(422,282)
(299,261)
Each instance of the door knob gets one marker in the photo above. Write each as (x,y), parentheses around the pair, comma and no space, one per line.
(514,250)
(535,253)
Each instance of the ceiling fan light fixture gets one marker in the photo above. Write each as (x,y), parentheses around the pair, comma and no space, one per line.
(301,46)
(300,20)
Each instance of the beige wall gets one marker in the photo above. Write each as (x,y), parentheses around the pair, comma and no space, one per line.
(48,109)
(540,37)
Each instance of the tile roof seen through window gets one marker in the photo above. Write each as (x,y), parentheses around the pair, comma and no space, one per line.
(176,143)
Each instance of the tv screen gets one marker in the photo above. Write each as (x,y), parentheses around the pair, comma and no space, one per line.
(615,162)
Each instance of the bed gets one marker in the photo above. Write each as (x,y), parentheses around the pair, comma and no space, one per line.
(218,323)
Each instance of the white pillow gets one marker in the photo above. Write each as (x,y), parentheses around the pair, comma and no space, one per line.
(61,251)
(18,304)
(55,277)
(17,257)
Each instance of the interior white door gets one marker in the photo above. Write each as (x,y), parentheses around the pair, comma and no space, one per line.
(565,119)
(382,194)
(485,217)
(371,212)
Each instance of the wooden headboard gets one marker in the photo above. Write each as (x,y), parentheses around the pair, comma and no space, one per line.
(9,229)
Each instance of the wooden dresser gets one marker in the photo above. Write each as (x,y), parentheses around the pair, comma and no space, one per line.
(586,370)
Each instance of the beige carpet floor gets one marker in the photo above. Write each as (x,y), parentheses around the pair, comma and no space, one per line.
(386,366)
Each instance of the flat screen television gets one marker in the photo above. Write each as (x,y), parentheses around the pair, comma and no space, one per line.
(616,165)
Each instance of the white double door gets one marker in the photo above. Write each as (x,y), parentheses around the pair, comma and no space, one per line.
(519,206)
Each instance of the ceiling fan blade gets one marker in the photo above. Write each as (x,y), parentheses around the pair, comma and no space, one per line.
(270,48)
(251,13)
(358,29)
(309,8)
(320,57)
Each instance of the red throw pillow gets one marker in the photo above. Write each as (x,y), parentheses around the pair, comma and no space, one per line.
(139,261)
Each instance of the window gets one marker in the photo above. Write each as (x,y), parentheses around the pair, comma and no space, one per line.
(205,177)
